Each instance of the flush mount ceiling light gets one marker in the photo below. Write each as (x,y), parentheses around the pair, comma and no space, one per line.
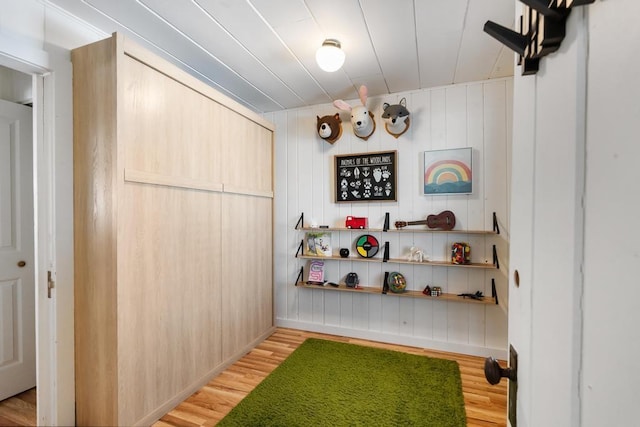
(330,56)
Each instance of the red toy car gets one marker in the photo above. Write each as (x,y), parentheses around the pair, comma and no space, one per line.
(356,222)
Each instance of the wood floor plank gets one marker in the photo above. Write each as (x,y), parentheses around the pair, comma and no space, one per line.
(19,410)
(485,404)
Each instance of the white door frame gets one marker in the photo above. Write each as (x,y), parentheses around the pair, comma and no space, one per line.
(53,218)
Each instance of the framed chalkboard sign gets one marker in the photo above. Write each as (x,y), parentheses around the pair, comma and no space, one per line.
(366,177)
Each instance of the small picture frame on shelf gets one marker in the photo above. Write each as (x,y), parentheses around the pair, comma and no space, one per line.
(319,243)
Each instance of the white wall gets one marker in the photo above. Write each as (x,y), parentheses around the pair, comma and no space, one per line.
(611,343)
(546,244)
(474,115)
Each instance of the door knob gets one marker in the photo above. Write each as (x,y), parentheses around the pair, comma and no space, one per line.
(494,372)
(21,264)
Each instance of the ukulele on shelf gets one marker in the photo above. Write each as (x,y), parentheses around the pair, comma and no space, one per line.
(445,220)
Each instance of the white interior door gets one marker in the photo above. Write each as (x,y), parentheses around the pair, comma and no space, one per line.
(521,245)
(17,299)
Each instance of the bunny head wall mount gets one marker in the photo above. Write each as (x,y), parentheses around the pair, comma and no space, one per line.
(362,119)
(396,118)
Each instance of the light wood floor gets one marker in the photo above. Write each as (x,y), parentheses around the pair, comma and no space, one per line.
(19,410)
(485,404)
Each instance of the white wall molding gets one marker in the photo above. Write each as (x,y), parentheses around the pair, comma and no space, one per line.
(18,53)
(406,340)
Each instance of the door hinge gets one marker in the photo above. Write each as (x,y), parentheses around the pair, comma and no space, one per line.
(50,284)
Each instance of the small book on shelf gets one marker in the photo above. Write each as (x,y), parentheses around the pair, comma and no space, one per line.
(319,244)
(316,272)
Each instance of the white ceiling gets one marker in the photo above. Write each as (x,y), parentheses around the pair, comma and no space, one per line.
(262,52)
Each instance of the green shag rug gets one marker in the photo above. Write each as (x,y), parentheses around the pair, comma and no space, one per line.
(327,383)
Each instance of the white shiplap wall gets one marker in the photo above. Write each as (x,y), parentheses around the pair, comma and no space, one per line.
(474,115)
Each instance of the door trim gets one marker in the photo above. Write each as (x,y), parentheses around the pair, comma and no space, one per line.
(53,237)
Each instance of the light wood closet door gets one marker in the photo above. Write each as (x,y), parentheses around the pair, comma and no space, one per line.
(247,224)
(169,281)
(247,149)
(171,129)
(169,294)
(173,224)
(247,265)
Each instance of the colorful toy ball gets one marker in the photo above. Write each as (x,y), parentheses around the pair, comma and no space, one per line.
(397,283)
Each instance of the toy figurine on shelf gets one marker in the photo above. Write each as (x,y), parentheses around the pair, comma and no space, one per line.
(356,222)
(416,254)
(434,291)
(478,295)
(352,280)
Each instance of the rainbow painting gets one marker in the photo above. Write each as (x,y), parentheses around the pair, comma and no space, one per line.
(448,171)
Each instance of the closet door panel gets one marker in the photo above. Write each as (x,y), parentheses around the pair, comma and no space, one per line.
(247,152)
(247,270)
(169,128)
(168,295)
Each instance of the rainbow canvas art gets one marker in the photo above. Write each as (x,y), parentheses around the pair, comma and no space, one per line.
(448,171)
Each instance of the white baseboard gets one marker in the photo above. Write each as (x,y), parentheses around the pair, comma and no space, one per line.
(498,353)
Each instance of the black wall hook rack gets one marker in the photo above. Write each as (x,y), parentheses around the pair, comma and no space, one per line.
(542,29)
